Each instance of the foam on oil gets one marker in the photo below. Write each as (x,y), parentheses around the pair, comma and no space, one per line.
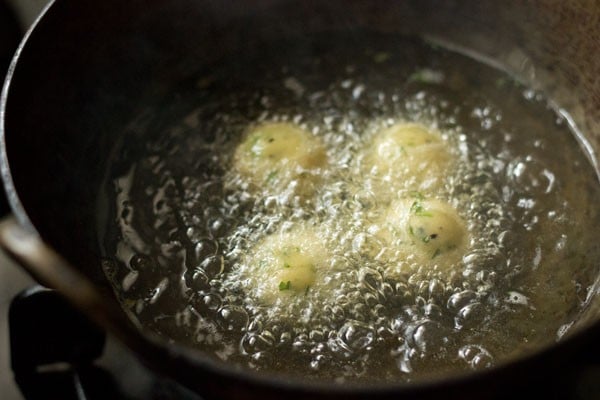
(185,222)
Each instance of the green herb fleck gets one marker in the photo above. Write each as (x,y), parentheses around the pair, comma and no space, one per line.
(418,209)
(426,76)
(419,234)
(272,175)
(285,285)
(436,253)
(262,263)
(252,142)
(306,290)
(286,265)
(287,251)
(417,195)
(381,57)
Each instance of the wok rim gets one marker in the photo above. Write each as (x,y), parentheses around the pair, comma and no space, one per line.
(5,170)
(198,359)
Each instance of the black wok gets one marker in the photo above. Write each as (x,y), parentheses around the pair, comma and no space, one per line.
(88,66)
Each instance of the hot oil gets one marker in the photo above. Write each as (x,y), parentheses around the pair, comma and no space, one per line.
(185,222)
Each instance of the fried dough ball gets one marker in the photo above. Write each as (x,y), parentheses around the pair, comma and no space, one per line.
(285,265)
(430,230)
(274,154)
(408,155)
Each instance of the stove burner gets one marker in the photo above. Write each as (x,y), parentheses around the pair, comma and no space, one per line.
(57,353)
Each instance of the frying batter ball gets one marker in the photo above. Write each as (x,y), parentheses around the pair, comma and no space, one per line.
(286,265)
(408,155)
(429,230)
(273,155)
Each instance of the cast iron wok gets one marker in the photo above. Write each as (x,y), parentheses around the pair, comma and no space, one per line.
(86,66)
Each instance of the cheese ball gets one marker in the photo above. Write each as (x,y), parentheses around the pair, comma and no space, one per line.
(431,231)
(408,155)
(273,155)
(285,265)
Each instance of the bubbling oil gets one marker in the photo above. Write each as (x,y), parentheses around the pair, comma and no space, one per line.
(185,221)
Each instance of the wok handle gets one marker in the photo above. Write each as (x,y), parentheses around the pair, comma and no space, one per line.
(47,266)
(50,269)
